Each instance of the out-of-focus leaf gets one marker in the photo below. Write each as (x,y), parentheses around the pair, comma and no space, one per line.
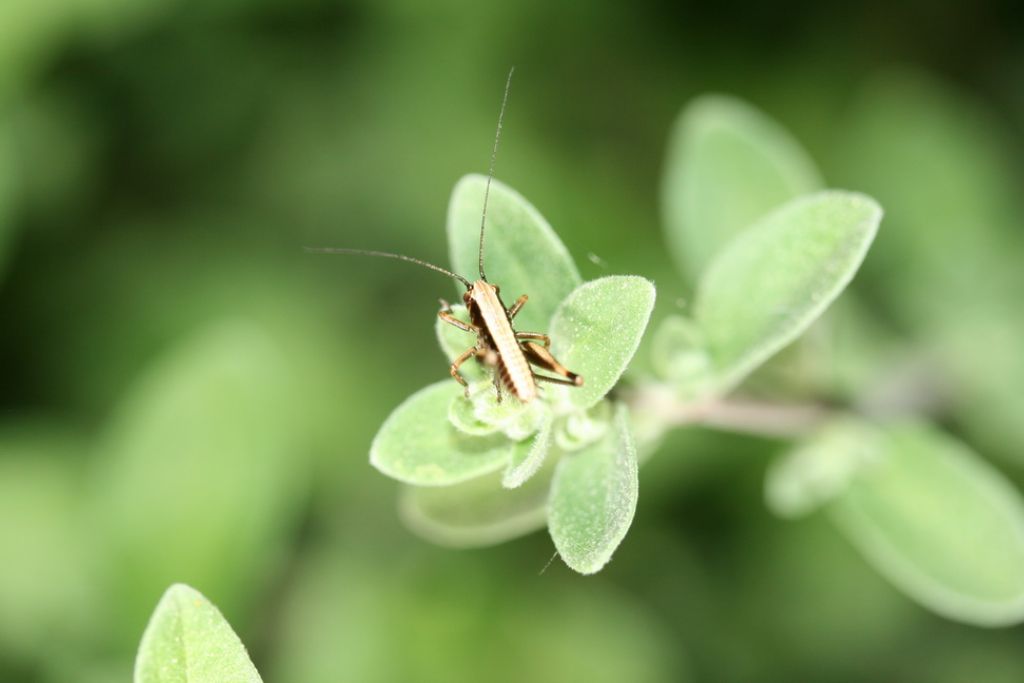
(478,512)
(523,255)
(354,613)
(596,331)
(941,524)
(942,166)
(820,469)
(527,457)
(679,356)
(189,641)
(938,164)
(728,164)
(45,574)
(593,498)
(775,278)
(202,471)
(418,444)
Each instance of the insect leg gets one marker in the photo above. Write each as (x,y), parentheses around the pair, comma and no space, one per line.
(454,369)
(543,338)
(516,306)
(497,385)
(554,380)
(542,358)
(445,314)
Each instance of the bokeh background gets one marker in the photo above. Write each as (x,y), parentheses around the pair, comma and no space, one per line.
(186,396)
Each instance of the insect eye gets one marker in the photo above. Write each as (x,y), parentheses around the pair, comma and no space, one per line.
(497,289)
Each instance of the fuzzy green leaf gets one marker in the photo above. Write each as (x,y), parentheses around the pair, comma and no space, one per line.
(728,164)
(205,458)
(593,498)
(528,456)
(483,413)
(941,524)
(523,255)
(418,444)
(189,641)
(771,282)
(596,331)
(479,512)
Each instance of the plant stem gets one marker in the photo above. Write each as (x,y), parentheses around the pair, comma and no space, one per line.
(659,402)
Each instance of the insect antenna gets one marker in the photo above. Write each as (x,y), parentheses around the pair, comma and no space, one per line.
(385,254)
(490,173)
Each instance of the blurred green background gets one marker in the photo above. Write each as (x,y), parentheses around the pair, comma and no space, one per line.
(161,331)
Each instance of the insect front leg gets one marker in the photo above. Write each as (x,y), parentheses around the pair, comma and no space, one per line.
(516,306)
(542,358)
(454,369)
(446,315)
(542,338)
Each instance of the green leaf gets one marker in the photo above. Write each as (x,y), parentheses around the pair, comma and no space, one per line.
(462,413)
(939,162)
(46,582)
(943,164)
(679,357)
(941,524)
(596,331)
(202,470)
(365,617)
(771,282)
(820,469)
(188,641)
(728,164)
(581,428)
(479,512)
(593,498)
(418,444)
(523,255)
(482,413)
(528,456)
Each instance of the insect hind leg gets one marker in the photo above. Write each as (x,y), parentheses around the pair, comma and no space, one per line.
(542,358)
(536,336)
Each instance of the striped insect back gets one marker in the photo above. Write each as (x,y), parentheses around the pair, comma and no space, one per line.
(511,355)
(491,316)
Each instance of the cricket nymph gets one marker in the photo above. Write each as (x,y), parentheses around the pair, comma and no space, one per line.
(498,346)
(508,353)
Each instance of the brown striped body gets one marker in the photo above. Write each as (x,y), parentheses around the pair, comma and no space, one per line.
(490,316)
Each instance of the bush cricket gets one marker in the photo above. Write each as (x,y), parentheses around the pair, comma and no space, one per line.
(510,354)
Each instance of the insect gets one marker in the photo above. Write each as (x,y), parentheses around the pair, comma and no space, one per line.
(512,355)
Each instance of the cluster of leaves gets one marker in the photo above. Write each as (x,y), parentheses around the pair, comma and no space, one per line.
(769,251)
(480,470)
(928,513)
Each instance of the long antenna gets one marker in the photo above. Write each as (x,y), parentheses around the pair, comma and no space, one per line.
(490,173)
(400,257)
